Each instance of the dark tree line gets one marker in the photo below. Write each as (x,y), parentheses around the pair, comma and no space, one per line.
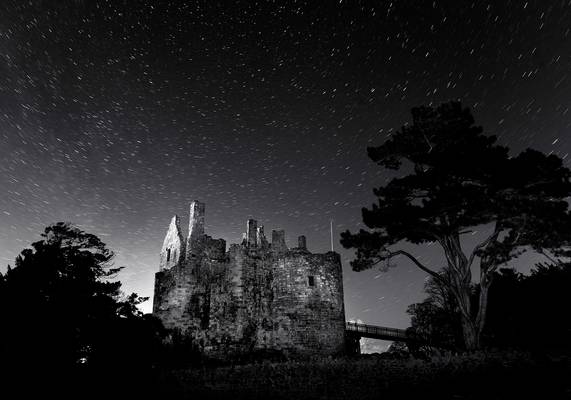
(63,316)
(527,312)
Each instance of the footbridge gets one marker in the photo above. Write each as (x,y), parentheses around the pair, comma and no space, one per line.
(355,331)
(376,332)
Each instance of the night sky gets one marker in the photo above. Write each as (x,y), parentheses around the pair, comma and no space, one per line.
(114,115)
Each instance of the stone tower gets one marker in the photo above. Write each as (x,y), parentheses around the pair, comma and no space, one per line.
(195,229)
(257,296)
(252,233)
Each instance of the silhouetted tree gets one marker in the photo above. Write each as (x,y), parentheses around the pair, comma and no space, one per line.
(456,178)
(397,350)
(437,324)
(59,307)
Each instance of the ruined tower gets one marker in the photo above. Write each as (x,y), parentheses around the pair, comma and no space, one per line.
(251,233)
(195,229)
(257,296)
(302,242)
(173,250)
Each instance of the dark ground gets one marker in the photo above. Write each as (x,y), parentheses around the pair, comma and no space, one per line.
(477,376)
(500,375)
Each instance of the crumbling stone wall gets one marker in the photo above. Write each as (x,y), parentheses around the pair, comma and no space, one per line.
(257,296)
(173,250)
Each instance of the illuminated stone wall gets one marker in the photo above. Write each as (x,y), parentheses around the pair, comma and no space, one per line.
(257,296)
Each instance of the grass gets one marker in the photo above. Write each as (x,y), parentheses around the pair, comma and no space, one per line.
(504,375)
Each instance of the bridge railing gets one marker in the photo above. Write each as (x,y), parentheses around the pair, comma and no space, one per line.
(374,330)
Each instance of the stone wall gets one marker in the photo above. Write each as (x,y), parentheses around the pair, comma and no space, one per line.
(172,297)
(309,301)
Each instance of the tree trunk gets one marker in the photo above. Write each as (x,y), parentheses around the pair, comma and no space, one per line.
(470,331)
(460,284)
(485,282)
(473,325)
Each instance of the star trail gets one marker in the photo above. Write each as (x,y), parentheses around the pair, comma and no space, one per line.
(114,115)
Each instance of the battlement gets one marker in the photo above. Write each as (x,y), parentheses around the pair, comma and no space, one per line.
(177,251)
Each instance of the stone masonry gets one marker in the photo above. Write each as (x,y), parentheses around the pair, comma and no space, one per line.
(255,296)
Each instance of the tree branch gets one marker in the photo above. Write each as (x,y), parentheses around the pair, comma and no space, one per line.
(453,264)
(550,258)
(486,242)
(432,273)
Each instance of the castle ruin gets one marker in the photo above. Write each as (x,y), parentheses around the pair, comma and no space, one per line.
(256,296)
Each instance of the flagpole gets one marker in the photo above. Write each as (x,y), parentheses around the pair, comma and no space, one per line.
(331,228)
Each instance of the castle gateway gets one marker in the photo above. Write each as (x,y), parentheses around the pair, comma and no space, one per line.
(256,296)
